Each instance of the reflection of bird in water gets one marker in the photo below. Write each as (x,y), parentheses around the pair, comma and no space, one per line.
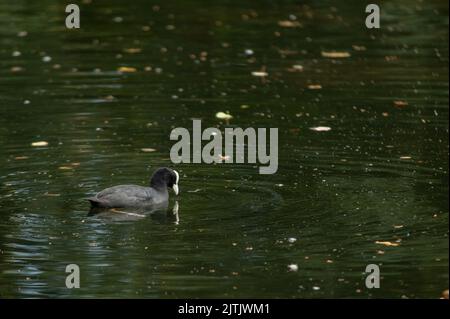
(159,213)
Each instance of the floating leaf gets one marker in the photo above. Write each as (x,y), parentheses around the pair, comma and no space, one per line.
(400,104)
(132,50)
(289,24)
(126,69)
(320,128)
(260,73)
(293,267)
(148,150)
(359,47)
(387,243)
(314,86)
(335,54)
(15,69)
(223,116)
(52,195)
(39,144)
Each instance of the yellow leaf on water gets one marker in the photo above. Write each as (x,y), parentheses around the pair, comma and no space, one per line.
(289,24)
(39,144)
(387,243)
(148,150)
(260,73)
(320,128)
(126,69)
(224,116)
(335,54)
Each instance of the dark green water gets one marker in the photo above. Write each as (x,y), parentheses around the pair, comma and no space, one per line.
(379,174)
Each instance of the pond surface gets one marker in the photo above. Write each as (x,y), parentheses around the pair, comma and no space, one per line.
(371,190)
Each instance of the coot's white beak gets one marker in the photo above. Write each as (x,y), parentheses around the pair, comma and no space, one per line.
(175,188)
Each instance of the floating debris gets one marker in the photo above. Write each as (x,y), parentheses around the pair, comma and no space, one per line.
(260,74)
(316,288)
(39,144)
(66,168)
(387,243)
(296,68)
(400,104)
(293,267)
(224,116)
(289,24)
(15,69)
(148,150)
(132,50)
(46,58)
(249,52)
(245,106)
(126,69)
(335,54)
(445,294)
(359,47)
(291,240)
(320,128)
(390,58)
(18,158)
(314,86)
(52,194)
(405,157)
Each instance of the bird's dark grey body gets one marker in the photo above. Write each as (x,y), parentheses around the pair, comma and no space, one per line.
(130,196)
(134,196)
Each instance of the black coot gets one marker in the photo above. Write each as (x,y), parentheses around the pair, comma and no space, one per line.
(133,196)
